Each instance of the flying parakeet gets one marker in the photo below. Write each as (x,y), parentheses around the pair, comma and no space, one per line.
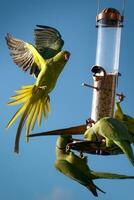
(114,133)
(46,61)
(126,119)
(77,168)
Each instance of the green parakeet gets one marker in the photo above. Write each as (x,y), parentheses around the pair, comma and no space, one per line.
(126,119)
(46,61)
(114,133)
(77,168)
(66,164)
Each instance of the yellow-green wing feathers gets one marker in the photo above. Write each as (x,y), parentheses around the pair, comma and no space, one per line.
(25,55)
(38,59)
(48,41)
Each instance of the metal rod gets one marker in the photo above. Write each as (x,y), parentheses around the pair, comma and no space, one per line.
(123,7)
(98,6)
(90,86)
(76,130)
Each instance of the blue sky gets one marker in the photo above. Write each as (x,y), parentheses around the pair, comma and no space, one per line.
(31,174)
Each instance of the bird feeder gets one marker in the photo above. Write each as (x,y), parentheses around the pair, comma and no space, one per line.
(109,23)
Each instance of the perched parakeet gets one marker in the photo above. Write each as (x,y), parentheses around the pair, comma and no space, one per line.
(66,164)
(46,61)
(112,132)
(77,168)
(126,119)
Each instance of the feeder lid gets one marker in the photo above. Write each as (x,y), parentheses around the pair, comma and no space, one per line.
(108,15)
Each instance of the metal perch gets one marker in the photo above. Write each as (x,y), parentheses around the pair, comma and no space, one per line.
(76,130)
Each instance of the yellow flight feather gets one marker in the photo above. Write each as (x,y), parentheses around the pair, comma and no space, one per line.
(40,112)
(34,118)
(29,119)
(38,59)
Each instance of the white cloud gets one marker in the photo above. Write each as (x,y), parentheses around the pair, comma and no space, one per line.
(57,193)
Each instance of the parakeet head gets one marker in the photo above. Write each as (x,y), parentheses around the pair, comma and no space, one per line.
(63,140)
(62,57)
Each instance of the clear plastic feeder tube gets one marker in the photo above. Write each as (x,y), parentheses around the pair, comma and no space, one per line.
(109,25)
(108,48)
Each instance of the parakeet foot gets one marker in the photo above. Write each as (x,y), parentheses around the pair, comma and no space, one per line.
(89,122)
(43,87)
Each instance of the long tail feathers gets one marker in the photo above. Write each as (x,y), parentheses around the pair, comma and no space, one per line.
(16,115)
(21,124)
(107,175)
(93,187)
(35,104)
(127,150)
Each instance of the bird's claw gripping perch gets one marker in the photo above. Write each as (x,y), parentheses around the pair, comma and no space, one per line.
(89,122)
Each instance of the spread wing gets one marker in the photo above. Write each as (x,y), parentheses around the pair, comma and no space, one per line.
(24,55)
(48,41)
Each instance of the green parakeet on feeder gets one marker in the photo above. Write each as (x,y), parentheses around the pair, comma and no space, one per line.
(66,163)
(126,119)
(112,132)
(46,61)
(77,168)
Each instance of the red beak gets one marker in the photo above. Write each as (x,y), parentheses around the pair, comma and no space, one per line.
(66,56)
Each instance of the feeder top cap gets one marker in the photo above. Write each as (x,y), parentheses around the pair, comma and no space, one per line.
(109,14)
